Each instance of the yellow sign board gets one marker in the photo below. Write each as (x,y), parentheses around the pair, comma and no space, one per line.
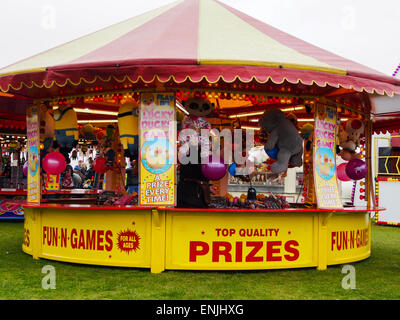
(157,139)
(33,146)
(349,238)
(201,240)
(325,180)
(113,238)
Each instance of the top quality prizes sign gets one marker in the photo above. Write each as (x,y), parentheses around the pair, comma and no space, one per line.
(326,186)
(157,140)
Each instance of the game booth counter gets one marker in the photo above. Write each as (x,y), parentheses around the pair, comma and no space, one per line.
(161,116)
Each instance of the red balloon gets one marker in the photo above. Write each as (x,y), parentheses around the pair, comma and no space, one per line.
(341,172)
(54,163)
(100,165)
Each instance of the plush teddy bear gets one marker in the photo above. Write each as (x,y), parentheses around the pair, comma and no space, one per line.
(349,138)
(198,109)
(282,134)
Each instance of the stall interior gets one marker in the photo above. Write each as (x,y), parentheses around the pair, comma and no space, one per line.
(98,135)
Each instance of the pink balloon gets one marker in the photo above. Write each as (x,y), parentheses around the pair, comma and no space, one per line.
(341,172)
(214,170)
(25,168)
(356,169)
(54,163)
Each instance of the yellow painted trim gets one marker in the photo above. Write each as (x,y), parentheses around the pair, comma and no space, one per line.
(23,71)
(171,77)
(271,65)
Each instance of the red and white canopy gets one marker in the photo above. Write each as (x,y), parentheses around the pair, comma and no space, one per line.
(191,40)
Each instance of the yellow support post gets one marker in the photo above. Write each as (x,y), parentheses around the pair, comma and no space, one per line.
(158,245)
(36,231)
(323,218)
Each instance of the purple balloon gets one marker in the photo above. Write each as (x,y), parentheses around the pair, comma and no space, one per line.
(25,168)
(356,169)
(214,170)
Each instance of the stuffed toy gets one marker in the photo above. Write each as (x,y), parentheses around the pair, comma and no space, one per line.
(193,186)
(66,126)
(198,109)
(349,139)
(128,123)
(88,132)
(46,127)
(282,134)
(307,133)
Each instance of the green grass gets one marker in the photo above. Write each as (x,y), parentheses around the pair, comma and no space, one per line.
(377,278)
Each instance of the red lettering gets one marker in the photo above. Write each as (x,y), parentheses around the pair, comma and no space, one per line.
(64,237)
(333,240)
(289,249)
(54,236)
(73,238)
(194,252)
(81,244)
(90,239)
(100,234)
(44,233)
(109,244)
(239,250)
(217,251)
(271,250)
(351,239)
(257,245)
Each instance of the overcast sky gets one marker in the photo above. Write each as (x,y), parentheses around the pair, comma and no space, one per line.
(366,31)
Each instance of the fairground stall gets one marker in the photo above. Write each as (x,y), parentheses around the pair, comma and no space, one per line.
(12,157)
(386,147)
(177,105)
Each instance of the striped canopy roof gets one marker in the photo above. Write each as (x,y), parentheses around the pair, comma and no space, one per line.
(192,40)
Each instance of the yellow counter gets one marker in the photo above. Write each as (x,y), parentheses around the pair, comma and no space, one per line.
(188,239)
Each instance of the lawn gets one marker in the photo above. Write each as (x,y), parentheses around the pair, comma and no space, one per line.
(377,278)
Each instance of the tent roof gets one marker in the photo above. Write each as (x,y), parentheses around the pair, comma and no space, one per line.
(192,39)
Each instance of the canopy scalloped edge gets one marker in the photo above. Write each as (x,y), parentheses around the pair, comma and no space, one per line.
(195,74)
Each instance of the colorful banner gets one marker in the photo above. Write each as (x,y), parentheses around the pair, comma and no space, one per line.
(326,186)
(33,146)
(157,139)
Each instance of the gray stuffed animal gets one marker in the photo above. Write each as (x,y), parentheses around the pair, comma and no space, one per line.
(284,135)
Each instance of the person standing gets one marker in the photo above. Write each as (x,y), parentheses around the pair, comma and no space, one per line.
(132,178)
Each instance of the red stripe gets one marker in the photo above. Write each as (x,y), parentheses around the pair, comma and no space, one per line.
(352,68)
(171,35)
